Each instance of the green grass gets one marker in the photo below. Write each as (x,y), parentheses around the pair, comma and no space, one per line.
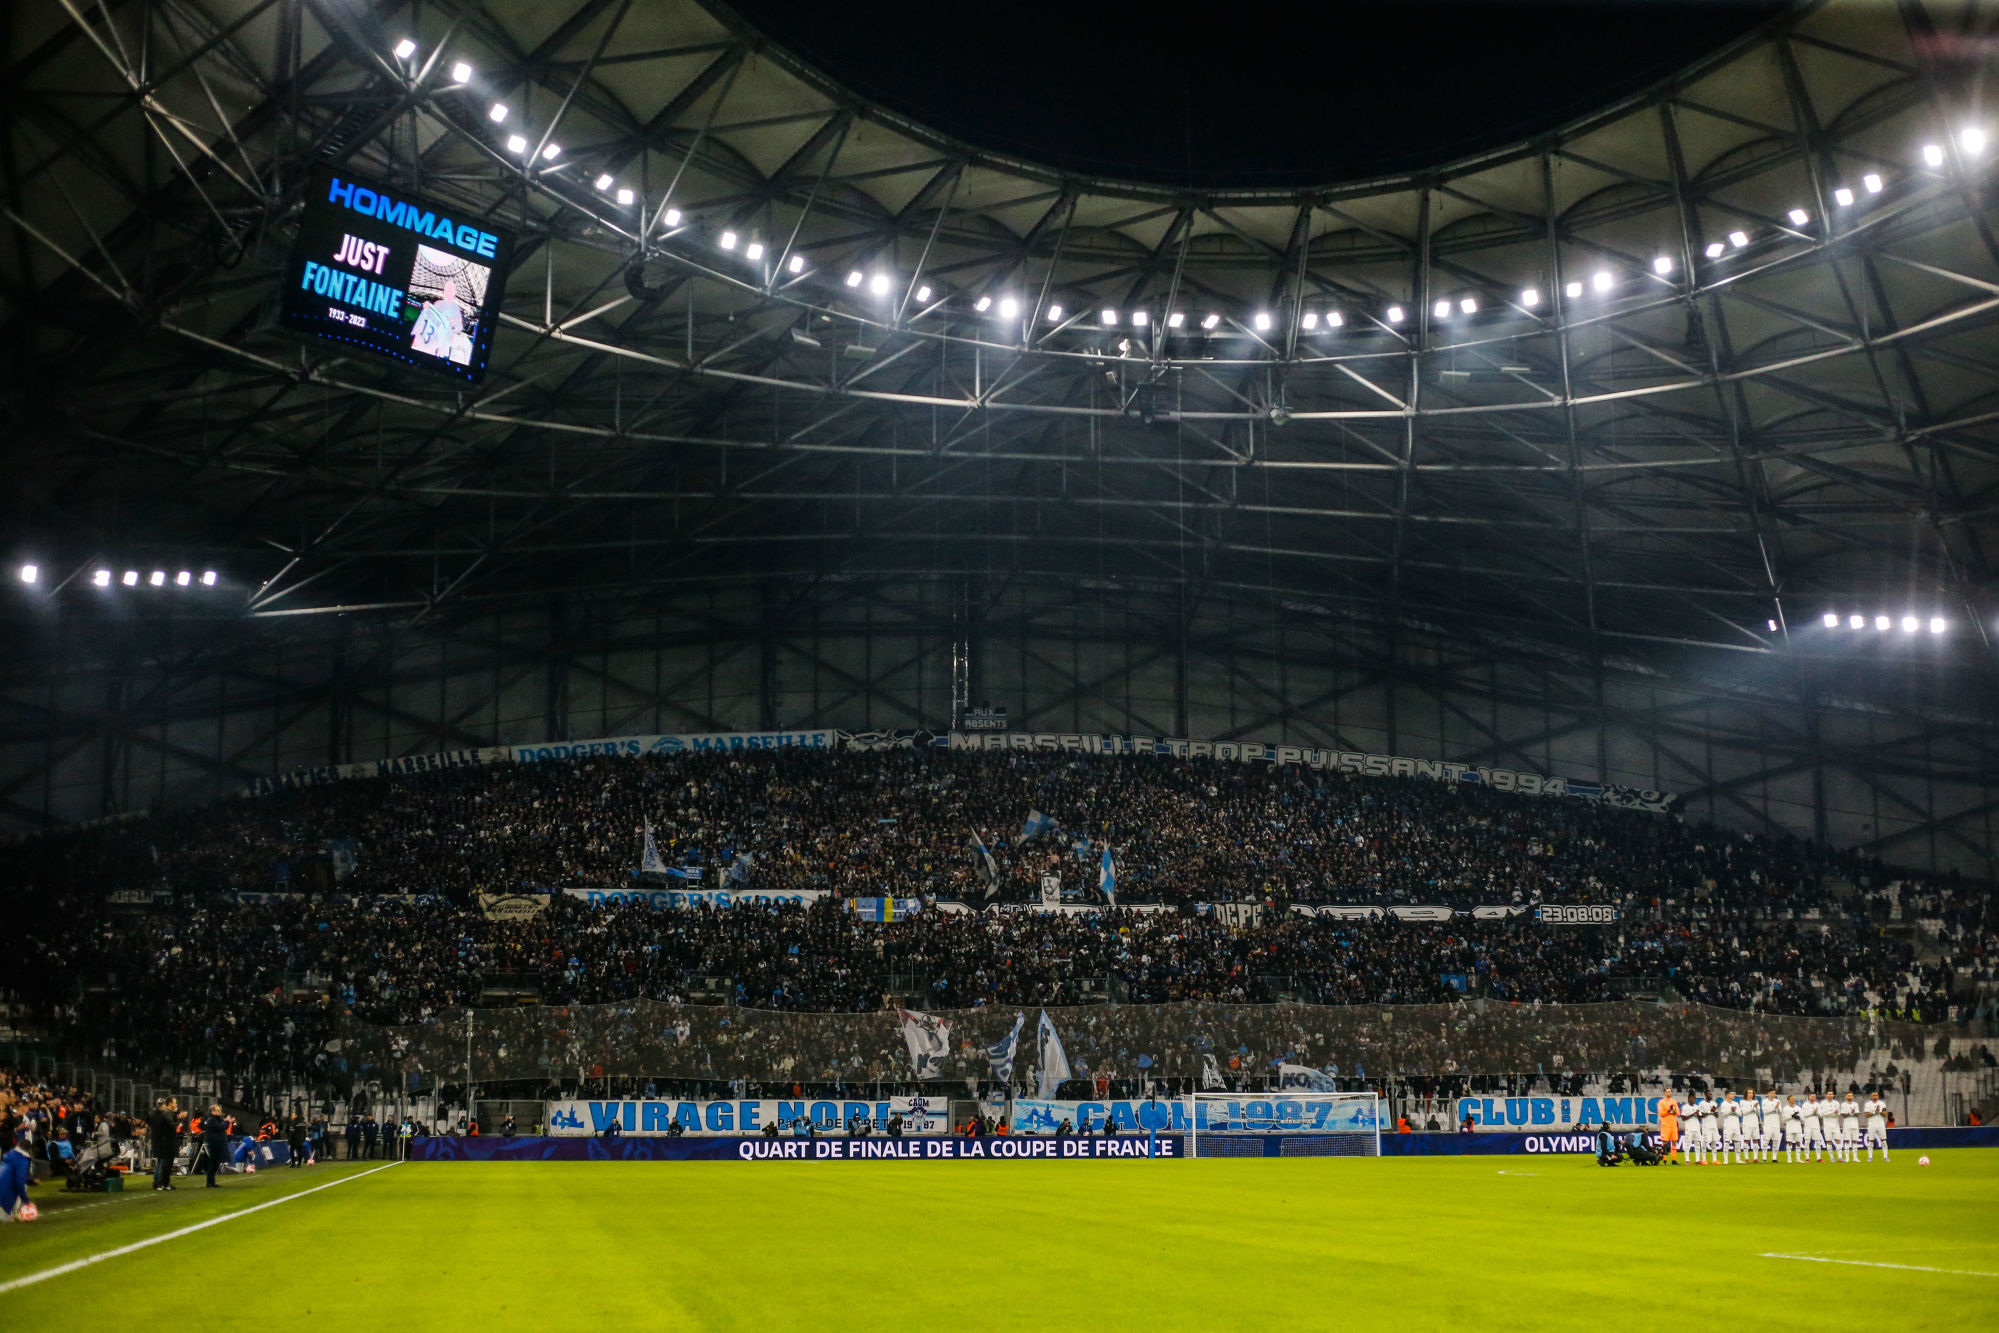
(1520,1242)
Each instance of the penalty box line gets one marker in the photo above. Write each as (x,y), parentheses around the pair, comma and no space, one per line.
(136,1245)
(1867,1263)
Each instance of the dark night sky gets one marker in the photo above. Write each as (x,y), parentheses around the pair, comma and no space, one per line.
(1247,92)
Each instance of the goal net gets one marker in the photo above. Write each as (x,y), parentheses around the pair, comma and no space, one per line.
(1292,1123)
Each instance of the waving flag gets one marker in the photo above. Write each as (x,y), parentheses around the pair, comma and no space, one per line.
(929,1041)
(1052,1063)
(1304,1076)
(1211,1073)
(1036,825)
(982,862)
(1107,879)
(1000,1054)
(650,863)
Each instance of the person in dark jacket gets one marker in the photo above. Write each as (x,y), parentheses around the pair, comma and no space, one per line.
(353,1137)
(214,1149)
(371,1136)
(295,1140)
(163,1137)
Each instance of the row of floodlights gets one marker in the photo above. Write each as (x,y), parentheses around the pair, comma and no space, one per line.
(159,578)
(1910,623)
(1971,141)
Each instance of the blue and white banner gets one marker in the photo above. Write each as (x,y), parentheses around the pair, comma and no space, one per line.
(632,747)
(920,1115)
(664,900)
(1517,1113)
(884,909)
(998,1148)
(1279,1112)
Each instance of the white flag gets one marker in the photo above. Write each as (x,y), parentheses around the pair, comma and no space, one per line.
(929,1039)
(1053,1063)
(1304,1076)
(1211,1073)
(649,862)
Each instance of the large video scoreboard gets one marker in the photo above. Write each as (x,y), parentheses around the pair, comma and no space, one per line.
(395,275)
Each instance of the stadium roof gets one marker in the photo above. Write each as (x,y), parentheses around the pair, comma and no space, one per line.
(1702,367)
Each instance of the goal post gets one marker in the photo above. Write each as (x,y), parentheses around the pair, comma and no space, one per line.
(1301,1123)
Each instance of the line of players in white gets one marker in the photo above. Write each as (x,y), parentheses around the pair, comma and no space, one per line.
(1756,1128)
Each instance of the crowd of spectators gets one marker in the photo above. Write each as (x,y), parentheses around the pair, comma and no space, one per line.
(1759,924)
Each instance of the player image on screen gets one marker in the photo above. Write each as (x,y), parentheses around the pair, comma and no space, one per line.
(450,292)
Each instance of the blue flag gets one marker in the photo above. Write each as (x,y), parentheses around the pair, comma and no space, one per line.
(1036,825)
(1107,879)
(1053,1063)
(1000,1054)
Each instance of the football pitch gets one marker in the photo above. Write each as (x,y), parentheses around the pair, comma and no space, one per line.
(1518,1242)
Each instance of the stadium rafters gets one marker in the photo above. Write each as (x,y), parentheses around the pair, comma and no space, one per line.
(1688,374)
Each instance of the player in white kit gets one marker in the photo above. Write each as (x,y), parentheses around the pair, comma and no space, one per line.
(1731,1127)
(1707,1129)
(1773,1126)
(1794,1129)
(1811,1126)
(1849,1127)
(1876,1111)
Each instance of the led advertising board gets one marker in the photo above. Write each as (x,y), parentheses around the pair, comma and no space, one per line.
(395,275)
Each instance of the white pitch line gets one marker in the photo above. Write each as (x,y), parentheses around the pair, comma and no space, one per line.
(1864,1263)
(75,1264)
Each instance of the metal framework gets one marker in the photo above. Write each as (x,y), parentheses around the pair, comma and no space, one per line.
(1612,498)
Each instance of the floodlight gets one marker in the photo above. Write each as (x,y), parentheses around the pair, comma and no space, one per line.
(461,73)
(1799,217)
(1601,280)
(1531,297)
(29,573)
(1334,319)
(551,152)
(1176,319)
(1972,140)
(983,304)
(856,278)
(1715,249)
(795,264)
(101,579)
(1108,318)
(1441,310)
(728,240)
(1210,320)
(1468,306)
(516,144)
(497,112)
(1009,308)
(1773,626)
(1843,197)
(407,48)
(131,579)
(182,579)
(158,579)
(1936,624)
(625,198)
(1856,622)
(1662,265)
(1262,321)
(1311,319)
(605,182)
(1054,314)
(1832,620)
(1872,182)
(878,284)
(1573,290)
(1395,314)
(1932,155)
(1882,622)
(754,250)
(1910,624)
(208,578)
(673,217)
(923,295)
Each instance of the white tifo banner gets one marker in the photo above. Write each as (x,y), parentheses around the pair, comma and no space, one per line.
(573,1119)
